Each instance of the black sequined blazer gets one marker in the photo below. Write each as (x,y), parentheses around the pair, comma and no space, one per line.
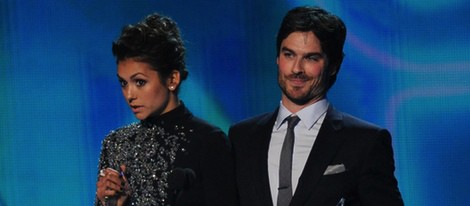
(175,141)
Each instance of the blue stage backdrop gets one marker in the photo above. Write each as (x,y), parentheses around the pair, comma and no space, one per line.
(407,68)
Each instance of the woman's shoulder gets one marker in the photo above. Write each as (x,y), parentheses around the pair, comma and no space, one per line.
(202,126)
(124,131)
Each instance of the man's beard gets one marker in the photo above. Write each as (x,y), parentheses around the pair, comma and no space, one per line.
(316,91)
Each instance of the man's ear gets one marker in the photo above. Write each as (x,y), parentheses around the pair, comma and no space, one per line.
(334,70)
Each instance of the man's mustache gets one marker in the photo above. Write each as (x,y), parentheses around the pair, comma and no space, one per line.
(300,76)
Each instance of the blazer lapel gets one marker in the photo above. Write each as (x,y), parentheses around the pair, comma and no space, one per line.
(323,151)
(262,138)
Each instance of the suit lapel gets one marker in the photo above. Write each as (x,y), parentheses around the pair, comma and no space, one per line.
(321,155)
(262,138)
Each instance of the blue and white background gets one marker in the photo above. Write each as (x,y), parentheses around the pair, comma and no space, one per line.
(407,68)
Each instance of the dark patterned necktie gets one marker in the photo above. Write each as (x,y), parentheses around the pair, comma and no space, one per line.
(285,165)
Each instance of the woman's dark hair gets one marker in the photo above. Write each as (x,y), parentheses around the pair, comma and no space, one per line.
(156,40)
(328,28)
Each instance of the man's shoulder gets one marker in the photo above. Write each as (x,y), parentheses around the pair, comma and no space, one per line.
(251,129)
(357,129)
(352,121)
(247,127)
(349,120)
(259,119)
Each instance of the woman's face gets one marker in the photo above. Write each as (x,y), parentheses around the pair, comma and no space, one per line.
(143,89)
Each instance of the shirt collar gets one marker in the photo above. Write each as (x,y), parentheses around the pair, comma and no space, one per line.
(308,115)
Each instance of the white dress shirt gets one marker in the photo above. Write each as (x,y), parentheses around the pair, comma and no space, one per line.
(306,131)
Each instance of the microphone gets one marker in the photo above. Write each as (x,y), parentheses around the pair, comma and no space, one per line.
(179,180)
(110,201)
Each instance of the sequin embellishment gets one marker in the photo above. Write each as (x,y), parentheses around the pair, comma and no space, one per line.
(148,151)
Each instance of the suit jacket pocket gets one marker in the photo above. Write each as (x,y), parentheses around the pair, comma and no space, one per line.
(339,183)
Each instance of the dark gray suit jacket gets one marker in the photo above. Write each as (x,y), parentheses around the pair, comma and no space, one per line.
(364,149)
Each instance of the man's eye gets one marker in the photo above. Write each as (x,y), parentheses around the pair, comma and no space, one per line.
(140,82)
(313,57)
(288,54)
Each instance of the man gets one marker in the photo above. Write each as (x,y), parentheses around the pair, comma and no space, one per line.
(337,159)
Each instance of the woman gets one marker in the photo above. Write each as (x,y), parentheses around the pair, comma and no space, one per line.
(170,157)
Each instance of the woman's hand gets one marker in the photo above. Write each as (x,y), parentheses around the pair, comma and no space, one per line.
(112,184)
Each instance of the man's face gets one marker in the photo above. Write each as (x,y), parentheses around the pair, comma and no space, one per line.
(302,74)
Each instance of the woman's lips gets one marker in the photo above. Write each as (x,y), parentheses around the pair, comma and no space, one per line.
(136,109)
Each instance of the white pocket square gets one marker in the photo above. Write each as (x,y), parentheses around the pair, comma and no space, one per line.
(334,169)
